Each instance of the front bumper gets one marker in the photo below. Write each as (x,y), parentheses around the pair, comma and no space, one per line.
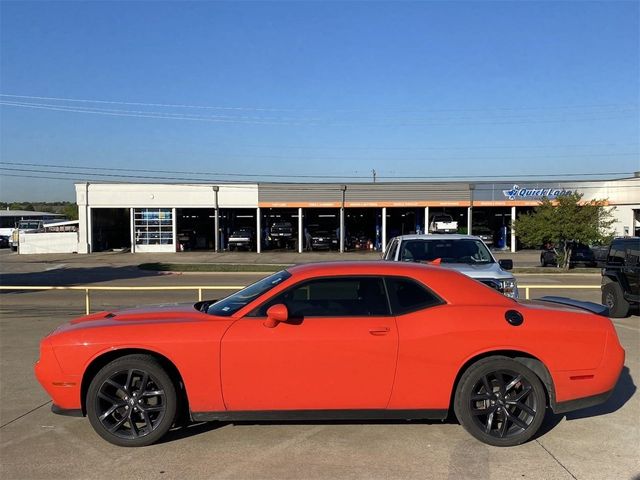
(64,389)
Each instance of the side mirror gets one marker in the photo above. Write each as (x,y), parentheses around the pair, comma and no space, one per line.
(276,314)
(506,264)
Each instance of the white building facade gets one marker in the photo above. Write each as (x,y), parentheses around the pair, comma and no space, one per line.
(148,217)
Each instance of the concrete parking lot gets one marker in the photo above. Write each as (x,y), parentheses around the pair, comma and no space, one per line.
(597,443)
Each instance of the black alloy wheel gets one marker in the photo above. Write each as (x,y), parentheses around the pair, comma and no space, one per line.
(131,401)
(500,401)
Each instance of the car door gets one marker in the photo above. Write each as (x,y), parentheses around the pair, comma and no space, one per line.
(337,350)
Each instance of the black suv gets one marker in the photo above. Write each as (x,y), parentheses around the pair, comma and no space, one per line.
(621,276)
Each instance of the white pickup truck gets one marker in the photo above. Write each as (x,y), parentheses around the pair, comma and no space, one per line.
(24,226)
(442,223)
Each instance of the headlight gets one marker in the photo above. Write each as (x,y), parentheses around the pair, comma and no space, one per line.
(510,288)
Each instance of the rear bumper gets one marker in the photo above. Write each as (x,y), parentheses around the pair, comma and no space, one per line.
(580,403)
(585,388)
(68,412)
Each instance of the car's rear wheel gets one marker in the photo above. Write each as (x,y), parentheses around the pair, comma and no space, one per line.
(613,298)
(500,401)
(132,401)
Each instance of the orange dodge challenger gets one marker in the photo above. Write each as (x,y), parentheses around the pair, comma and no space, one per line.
(357,340)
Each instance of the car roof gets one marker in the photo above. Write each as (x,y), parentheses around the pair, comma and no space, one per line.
(452,286)
(437,236)
(380,267)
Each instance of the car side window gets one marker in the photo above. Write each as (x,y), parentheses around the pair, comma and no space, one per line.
(616,254)
(406,295)
(332,297)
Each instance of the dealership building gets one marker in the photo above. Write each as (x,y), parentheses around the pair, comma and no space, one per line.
(146,217)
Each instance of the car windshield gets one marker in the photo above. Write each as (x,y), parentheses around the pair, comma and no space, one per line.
(464,250)
(231,304)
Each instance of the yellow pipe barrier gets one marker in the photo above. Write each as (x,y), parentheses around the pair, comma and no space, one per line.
(200,289)
(527,288)
(87,290)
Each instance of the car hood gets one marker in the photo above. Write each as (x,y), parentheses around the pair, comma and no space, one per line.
(486,270)
(157,314)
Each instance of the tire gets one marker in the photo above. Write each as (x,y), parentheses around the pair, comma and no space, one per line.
(119,394)
(543,262)
(612,297)
(515,402)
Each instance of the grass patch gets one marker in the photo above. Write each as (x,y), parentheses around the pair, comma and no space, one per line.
(210,267)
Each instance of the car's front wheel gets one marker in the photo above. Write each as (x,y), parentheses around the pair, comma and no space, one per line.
(132,401)
(500,401)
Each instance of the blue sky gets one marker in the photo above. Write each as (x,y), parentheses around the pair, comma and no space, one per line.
(409,89)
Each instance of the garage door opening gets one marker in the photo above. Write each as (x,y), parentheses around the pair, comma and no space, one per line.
(279,228)
(195,228)
(404,221)
(238,229)
(110,229)
(363,227)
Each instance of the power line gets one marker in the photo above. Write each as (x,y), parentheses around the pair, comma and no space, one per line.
(335,189)
(300,122)
(177,172)
(244,108)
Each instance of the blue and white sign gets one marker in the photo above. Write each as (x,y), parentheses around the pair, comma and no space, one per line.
(517,192)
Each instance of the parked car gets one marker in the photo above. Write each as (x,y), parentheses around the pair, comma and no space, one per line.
(242,238)
(4,241)
(360,241)
(343,340)
(281,235)
(324,240)
(485,234)
(580,255)
(25,226)
(464,253)
(442,223)
(621,276)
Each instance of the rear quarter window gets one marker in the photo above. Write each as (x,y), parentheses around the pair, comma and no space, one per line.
(407,295)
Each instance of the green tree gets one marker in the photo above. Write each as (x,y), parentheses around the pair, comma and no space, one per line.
(565,220)
(70,211)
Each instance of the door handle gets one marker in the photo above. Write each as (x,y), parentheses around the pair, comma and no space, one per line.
(379,331)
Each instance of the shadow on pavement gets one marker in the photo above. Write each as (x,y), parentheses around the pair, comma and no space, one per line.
(624,390)
(75,276)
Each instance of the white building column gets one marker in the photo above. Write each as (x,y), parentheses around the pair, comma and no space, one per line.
(384,228)
(89,230)
(426,219)
(342,230)
(300,232)
(174,228)
(216,219)
(469,220)
(82,199)
(132,226)
(258,231)
(513,234)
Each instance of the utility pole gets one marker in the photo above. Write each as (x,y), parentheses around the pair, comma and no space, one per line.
(373,172)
